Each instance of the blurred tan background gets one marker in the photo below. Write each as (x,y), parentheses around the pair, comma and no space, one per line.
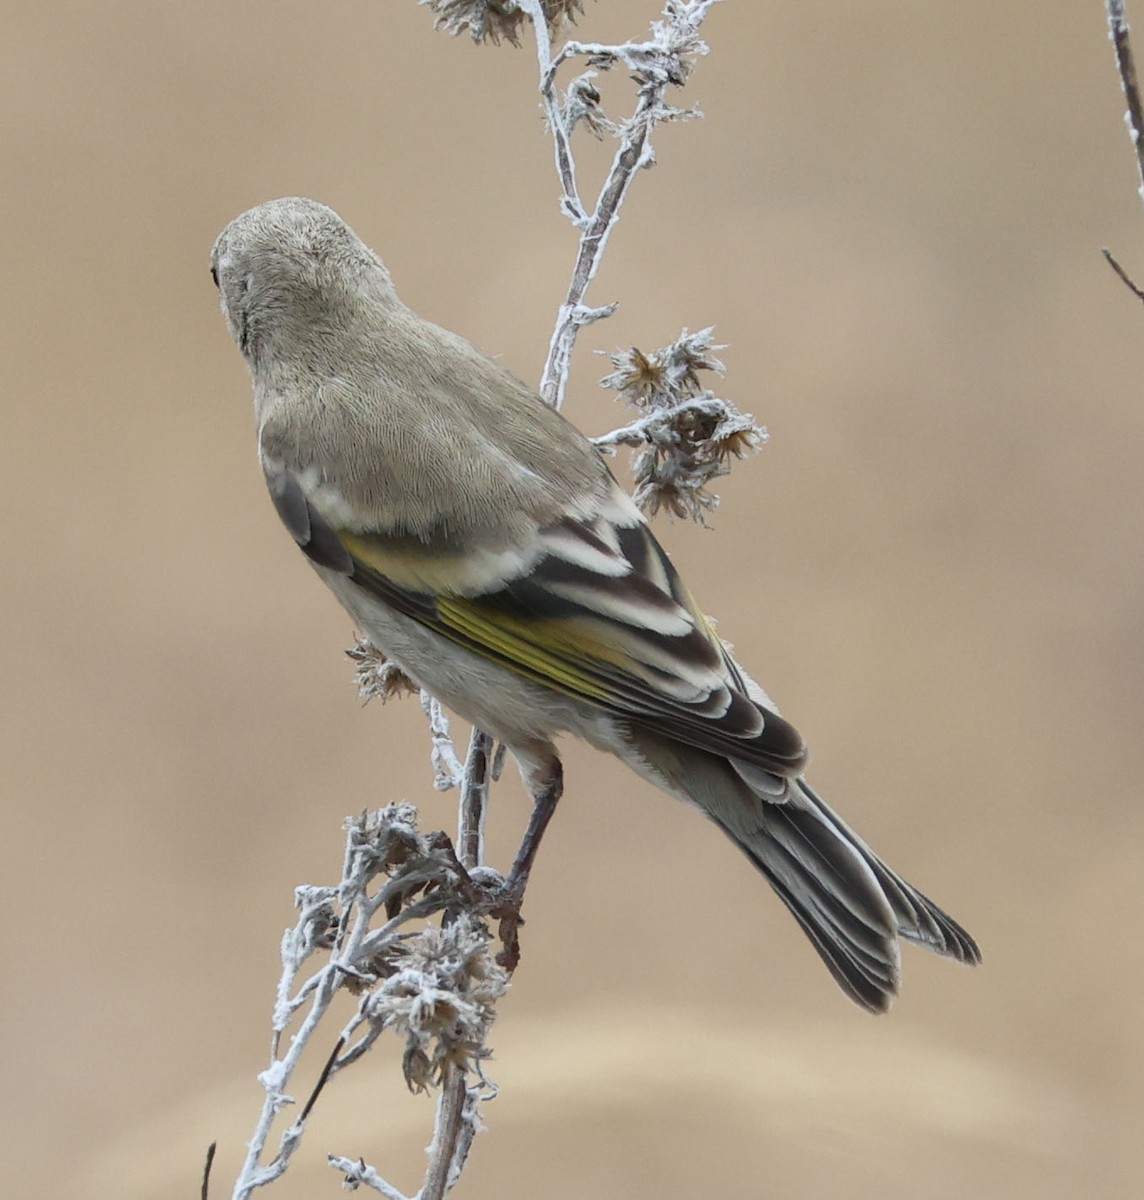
(893,214)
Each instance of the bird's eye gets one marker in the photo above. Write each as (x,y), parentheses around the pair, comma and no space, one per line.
(214,275)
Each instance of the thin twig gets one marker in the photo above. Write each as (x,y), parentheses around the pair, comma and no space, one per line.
(447,769)
(1119,32)
(561,136)
(657,64)
(204,1191)
(447,1138)
(322,1078)
(359,1173)
(474,802)
(1126,66)
(593,238)
(637,432)
(1128,282)
(449,1134)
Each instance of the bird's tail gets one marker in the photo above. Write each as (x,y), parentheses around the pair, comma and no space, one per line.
(849,903)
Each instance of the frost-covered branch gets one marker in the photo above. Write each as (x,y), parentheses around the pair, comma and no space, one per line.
(1121,37)
(1120,34)
(664,61)
(433,986)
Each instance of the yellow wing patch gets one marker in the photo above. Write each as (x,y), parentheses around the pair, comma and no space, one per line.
(541,646)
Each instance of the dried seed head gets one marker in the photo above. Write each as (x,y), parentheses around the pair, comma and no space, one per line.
(664,377)
(492,20)
(688,435)
(388,837)
(376,677)
(441,998)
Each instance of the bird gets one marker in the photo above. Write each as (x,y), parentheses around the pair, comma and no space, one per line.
(481,543)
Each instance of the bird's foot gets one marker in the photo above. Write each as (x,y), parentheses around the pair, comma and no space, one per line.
(506,910)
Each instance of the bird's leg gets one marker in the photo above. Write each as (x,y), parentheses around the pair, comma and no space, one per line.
(546,787)
(546,783)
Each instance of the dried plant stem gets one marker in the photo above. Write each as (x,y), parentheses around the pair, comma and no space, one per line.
(558,127)
(593,238)
(1123,275)
(443,1151)
(455,1123)
(1119,32)
(474,801)
(320,989)
(1126,66)
(635,152)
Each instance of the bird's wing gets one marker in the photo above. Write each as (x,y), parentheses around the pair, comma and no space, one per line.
(592,608)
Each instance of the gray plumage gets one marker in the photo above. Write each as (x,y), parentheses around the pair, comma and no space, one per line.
(478,539)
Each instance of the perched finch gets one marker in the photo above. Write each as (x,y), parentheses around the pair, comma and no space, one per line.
(480,542)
